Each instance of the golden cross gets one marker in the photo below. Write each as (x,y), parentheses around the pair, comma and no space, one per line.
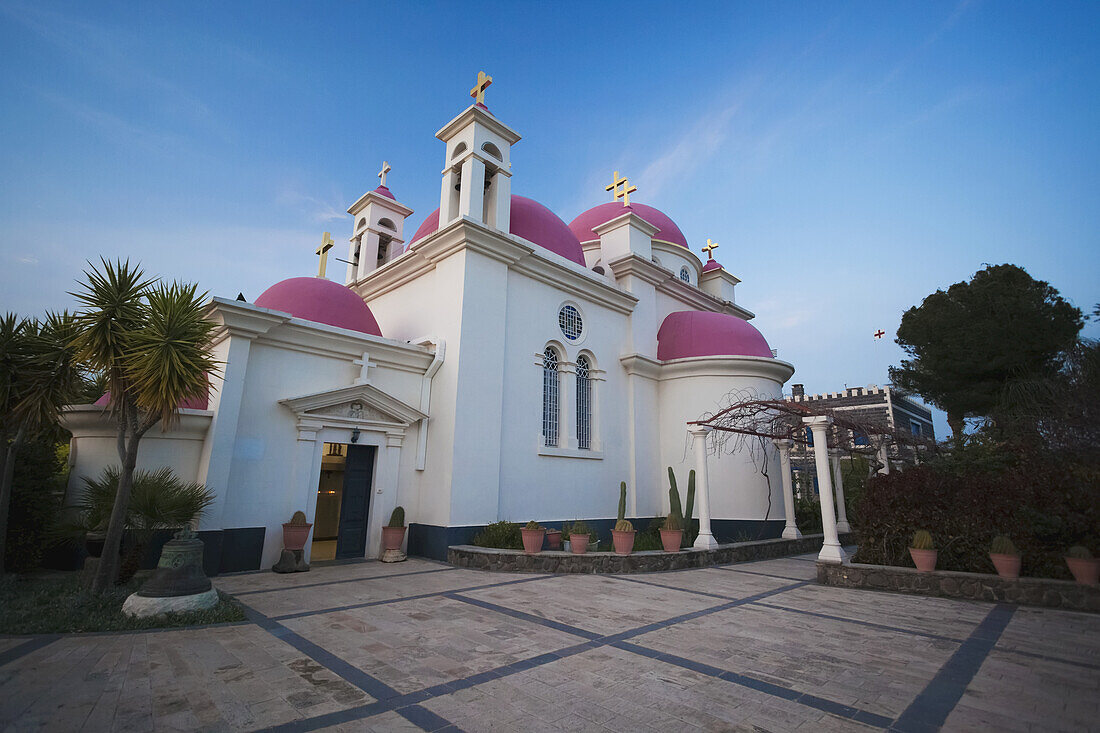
(709,249)
(326,245)
(621,188)
(385,169)
(478,92)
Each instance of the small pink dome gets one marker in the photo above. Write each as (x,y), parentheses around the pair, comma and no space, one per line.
(667,231)
(699,333)
(530,220)
(712,265)
(383,191)
(321,301)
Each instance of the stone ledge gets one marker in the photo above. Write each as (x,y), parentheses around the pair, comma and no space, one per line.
(516,561)
(1044,592)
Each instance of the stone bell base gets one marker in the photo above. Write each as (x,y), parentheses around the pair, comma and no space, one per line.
(393,556)
(141,606)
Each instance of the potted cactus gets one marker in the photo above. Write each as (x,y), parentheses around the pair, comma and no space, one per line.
(1005,557)
(922,551)
(553,539)
(623,534)
(533,535)
(1085,567)
(672,533)
(296,532)
(579,536)
(393,534)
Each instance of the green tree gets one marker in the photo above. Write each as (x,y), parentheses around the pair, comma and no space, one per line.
(39,375)
(967,343)
(151,342)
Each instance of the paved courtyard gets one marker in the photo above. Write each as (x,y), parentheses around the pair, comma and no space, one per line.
(423,646)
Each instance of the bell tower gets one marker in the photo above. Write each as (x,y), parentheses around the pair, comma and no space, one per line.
(378,229)
(478,171)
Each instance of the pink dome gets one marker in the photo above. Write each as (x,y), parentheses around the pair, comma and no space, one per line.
(383,191)
(321,301)
(667,231)
(697,333)
(711,265)
(530,220)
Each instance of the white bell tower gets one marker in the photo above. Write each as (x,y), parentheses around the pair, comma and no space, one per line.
(477,177)
(378,230)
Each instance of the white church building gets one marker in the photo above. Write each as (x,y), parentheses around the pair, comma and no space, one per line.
(497,363)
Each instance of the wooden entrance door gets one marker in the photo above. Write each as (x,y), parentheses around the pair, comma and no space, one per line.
(351,539)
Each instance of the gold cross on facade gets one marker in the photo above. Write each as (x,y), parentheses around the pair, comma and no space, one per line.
(709,249)
(478,92)
(326,245)
(385,170)
(621,188)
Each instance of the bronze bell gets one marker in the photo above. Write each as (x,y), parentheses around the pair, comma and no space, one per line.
(179,572)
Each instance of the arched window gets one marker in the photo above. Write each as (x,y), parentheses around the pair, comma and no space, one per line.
(383,250)
(492,150)
(584,403)
(550,388)
(685,275)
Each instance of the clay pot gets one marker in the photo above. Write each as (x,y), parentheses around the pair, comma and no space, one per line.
(578,544)
(295,535)
(671,539)
(392,537)
(1086,571)
(532,540)
(925,560)
(624,541)
(553,539)
(1008,566)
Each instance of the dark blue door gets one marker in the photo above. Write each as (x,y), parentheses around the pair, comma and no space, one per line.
(351,539)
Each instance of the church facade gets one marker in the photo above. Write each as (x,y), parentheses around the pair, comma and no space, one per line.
(495,364)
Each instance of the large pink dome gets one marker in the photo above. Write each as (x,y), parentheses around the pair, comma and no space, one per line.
(530,220)
(322,301)
(699,333)
(667,231)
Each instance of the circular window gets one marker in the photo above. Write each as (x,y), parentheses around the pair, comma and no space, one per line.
(569,320)
(685,275)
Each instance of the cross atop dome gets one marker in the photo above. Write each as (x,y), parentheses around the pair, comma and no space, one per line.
(478,92)
(621,188)
(322,251)
(709,249)
(382,174)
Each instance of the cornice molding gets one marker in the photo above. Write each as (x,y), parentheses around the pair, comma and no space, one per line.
(475,113)
(382,201)
(396,411)
(641,366)
(627,217)
(726,366)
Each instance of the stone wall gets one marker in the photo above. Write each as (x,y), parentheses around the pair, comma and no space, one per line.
(971,586)
(516,561)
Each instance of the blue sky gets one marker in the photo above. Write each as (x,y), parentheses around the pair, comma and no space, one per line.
(849,158)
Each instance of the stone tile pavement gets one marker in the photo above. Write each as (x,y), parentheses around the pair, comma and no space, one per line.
(422,646)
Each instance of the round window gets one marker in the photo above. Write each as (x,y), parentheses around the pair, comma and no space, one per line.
(685,275)
(569,320)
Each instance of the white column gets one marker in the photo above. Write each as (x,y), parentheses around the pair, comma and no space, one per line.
(368,253)
(884,455)
(705,540)
(790,529)
(448,201)
(838,483)
(831,551)
(471,197)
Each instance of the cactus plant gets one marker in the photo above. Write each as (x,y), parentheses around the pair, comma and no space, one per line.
(673,522)
(298,518)
(532,525)
(1002,545)
(922,540)
(397,519)
(1079,552)
(690,500)
(624,525)
(622,501)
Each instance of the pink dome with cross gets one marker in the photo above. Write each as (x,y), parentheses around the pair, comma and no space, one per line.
(667,231)
(700,333)
(532,221)
(321,301)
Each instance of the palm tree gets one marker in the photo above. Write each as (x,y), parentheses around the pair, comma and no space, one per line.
(39,375)
(151,343)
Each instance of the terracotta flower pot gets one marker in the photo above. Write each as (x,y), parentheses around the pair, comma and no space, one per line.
(925,560)
(295,535)
(1008,566)
(532,540)
(553,539)
(671,539)
(624,541)
(578,544)
(1086,571)
(392,537)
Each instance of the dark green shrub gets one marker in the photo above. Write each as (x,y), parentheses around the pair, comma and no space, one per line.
(503,535)
(38,484)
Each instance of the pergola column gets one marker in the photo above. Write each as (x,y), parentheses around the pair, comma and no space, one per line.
(790,529)
(838,482)
(831,551)
(705,540)
(884,455)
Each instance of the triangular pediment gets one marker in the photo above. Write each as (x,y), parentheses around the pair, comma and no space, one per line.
(358,404)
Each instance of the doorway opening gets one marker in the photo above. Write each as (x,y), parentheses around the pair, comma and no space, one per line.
(343,499)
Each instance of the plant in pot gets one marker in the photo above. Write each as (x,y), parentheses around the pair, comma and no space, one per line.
(922,551)
(393,534)
(579,536)
(296,531)
(623,534)
(553,539)
(1005,557)
(533,536)
(1085,567)
(672,533)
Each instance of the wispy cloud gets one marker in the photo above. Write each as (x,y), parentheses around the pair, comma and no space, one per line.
(314,208)
(115,128)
